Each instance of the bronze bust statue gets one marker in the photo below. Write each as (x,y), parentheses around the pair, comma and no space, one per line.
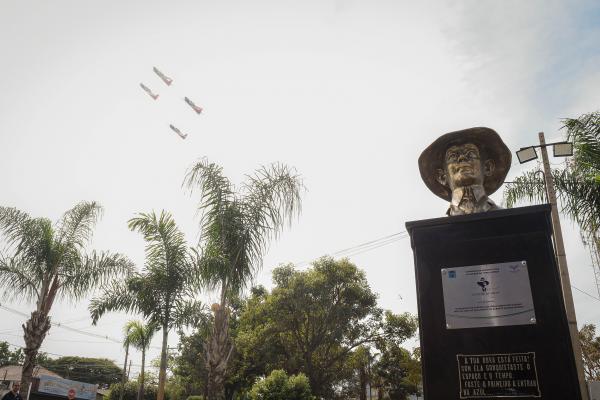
(465,167)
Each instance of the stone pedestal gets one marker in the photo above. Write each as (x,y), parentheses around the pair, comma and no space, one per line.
(492,320)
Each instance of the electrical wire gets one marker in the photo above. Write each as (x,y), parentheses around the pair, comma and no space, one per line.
(363,247)
(79,331)
(586,293)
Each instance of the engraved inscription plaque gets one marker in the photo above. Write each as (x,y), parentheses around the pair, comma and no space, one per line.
(487,295)
(498,375)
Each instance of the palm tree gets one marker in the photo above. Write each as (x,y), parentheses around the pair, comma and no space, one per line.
(164,292)
(139,336)
(237,226)
(126,342)
(577,185)
(48,261)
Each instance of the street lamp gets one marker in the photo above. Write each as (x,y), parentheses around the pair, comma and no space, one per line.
(561,149)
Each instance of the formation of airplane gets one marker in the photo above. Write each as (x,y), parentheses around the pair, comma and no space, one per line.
(147,90)
(177,131)
(162,76)
(196,108)
(168,81)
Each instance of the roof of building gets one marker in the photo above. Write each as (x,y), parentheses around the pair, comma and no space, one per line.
(13,372)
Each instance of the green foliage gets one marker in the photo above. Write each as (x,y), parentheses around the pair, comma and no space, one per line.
(83,369)
(313,320)
(399,372)
(590,349)
(131,391)
(236,228)
(42,252)
(189,366)
(238,223)
(195,398)
(164,292)
(9,357)
(139,335)
(278,386)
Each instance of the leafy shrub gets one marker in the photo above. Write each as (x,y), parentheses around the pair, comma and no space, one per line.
(131,391)
(195,398)
(278,386)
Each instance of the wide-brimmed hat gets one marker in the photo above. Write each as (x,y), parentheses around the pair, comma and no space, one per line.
(490,146)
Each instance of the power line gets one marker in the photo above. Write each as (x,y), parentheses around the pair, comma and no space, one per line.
(79,331)
(364,247)
(586,293)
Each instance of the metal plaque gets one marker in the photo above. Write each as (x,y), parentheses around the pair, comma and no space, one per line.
(498,375)
(487,295)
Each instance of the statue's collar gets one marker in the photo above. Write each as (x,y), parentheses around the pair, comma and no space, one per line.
(458,193)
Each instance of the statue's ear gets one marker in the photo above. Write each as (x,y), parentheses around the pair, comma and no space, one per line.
(488,167)
(441,177)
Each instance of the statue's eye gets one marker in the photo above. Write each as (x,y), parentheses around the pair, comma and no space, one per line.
(471,155)
(452,157)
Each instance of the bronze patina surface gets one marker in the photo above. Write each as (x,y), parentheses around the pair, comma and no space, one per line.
(465,167)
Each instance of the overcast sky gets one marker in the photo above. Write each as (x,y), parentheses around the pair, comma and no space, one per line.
(348,92)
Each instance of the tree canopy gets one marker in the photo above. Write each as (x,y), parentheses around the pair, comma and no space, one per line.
(84,369)
(10,357)
(313,320)
(279,386)
(590,349)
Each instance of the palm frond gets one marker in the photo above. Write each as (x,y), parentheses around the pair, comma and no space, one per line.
(217,191)
(76,226)
(188,312)
(16,280)
(584,132)
(92,271)
(273,198)
(579,197)
(139,335)
(13,224)
(528,187)
(165,243)
(115,297)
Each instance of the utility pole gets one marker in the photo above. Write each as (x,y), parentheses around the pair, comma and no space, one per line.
(563,270)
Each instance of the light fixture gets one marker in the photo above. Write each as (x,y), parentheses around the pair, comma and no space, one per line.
(563,149)
(526,154)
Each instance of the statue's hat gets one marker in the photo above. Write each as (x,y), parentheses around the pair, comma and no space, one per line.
(490,146)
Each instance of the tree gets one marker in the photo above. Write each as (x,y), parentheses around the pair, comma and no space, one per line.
(578,184)
(9,357)
(126,337)
(130,391)
(590,349)
(278,386)
(164,292)
(84,369)
(47,261)
(237,227)
(313,320)
(189,365)
(140,336)
(398,371)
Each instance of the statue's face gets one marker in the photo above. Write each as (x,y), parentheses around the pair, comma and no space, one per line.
(464,167)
